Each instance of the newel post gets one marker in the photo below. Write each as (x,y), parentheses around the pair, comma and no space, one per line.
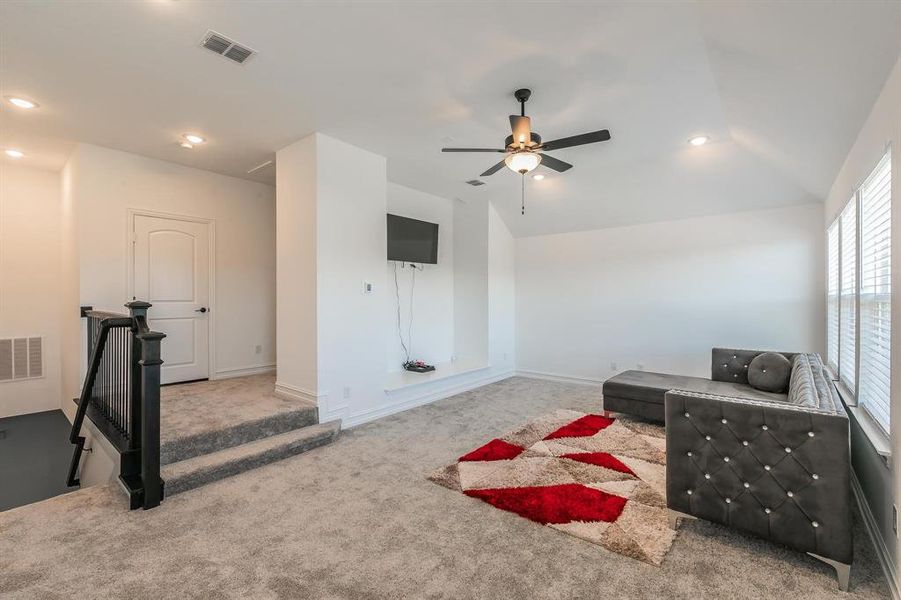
(137,310)
(146,387)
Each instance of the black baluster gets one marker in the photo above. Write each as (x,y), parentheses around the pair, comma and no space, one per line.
(115,375)
(115,384)
(102,389)
(112,379)
(98,397)
(106,389)
(110,354)
(104,356)
(125,382)
(120,384)
(123,406)
(116,378)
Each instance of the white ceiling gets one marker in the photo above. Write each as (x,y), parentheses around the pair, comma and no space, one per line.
(780,87)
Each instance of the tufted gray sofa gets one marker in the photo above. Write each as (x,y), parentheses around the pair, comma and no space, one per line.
(776,466)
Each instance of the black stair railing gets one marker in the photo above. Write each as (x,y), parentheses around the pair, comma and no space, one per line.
(121,396)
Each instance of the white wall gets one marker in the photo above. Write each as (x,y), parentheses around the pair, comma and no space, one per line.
(483,316)
(880,482)
(108,182)
(471,281)
(351,249)
(71,323)
(30,272)
(332,239)
(433,301)
(501,294)
(296,197)
(663,294)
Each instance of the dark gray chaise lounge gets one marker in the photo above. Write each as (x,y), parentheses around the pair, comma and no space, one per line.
(775,465)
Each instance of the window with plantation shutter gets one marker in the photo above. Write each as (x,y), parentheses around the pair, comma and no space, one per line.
(832,312)
(875,293)
(847,335)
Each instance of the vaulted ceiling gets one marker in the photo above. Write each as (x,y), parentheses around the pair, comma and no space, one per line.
(781,88)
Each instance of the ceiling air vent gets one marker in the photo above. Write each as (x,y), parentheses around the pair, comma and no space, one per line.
(475,182)
(218,43)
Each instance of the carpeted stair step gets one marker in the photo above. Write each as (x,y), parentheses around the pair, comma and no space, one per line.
(200,470)
(207,442)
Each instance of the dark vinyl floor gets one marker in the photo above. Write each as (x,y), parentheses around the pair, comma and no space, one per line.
(34,458)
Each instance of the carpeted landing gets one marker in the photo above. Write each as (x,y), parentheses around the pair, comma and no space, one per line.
(358,519)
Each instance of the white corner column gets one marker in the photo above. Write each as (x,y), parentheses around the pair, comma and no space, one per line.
(331,202)
(295,267)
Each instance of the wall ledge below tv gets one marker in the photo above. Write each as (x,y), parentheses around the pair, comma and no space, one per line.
(399,380)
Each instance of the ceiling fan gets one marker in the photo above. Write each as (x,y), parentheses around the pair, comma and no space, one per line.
(525,150)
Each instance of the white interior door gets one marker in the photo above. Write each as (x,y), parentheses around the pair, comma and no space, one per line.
(172,272)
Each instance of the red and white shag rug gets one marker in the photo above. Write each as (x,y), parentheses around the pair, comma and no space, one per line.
(597,478)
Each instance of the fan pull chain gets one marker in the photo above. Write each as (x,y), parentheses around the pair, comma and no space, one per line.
(523,196)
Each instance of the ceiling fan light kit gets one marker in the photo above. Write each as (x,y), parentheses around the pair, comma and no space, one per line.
(524,148)
(523,162)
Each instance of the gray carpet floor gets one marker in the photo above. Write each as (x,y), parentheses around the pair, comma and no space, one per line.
(191,409)
(358,519)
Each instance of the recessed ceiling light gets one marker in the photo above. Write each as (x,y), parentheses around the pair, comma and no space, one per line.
(21,102)
(187,145)
(14,153)
(538,177)
(699,140)
(193,138)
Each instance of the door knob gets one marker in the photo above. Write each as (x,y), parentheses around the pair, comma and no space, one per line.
(202,309)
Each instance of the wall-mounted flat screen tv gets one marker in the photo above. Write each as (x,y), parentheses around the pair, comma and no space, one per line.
(412,241)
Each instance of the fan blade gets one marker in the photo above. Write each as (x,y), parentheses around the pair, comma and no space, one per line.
(555,163)
(493,169)
(471,150)
(577,140)
(522,129)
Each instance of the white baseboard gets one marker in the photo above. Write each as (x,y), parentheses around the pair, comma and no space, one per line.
(560,378)
(326,412)
(292,392)
(885,559)
(243,371)
(453,389)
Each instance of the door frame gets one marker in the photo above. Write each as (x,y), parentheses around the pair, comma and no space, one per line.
(130,270)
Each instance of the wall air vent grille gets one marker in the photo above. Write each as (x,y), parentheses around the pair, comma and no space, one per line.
(475,182)
(223,46)
(35,357)
(21,358)
(6,360)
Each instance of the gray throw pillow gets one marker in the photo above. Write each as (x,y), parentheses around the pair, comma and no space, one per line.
(769,372)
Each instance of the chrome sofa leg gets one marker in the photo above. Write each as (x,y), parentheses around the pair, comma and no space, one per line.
(842,571)
(605,412)
(673,517)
